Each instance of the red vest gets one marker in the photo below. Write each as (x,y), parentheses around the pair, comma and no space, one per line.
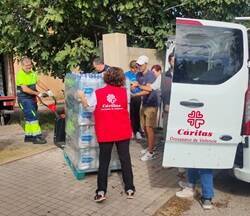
(112,121)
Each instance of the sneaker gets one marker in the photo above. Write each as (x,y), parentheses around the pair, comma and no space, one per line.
(100,196)
(147,156)
(138,135)
(39,140)
(186,192)
(206,204)
(130,194)
(143,151)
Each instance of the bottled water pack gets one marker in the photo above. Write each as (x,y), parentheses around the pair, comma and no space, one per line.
(87,159)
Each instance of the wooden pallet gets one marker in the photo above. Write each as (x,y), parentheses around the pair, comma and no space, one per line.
(79,174)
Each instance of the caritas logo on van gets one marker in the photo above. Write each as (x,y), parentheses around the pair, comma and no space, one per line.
(195,119)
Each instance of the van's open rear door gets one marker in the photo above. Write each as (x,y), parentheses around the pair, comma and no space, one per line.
(207,96)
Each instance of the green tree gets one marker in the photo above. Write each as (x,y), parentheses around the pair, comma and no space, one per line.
(61,34)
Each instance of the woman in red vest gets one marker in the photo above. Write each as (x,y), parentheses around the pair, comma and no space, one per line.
(112,126)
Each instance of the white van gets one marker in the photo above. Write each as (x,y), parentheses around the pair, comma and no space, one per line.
(206,117)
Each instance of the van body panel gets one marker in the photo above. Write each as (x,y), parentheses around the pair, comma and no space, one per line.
(207,94)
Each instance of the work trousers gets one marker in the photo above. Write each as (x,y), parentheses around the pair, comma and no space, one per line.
(104,160)
(29,109)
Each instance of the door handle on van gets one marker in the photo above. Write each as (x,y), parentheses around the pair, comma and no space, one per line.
(192,104)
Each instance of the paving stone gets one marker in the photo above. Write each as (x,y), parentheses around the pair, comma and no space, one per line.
(44,185)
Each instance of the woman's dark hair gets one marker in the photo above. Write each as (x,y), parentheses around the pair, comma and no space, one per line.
(114,76)
(156,67)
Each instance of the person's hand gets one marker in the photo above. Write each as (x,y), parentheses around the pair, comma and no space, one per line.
(80,94)
(133,95)
(50,93)
(134,84)
(42,94)
(132,88)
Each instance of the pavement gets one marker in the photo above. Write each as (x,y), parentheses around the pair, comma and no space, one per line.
(12,146)
(44,185)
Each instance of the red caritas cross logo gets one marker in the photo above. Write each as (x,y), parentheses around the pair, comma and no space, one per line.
(195,119)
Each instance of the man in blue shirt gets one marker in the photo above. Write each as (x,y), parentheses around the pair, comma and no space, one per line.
(135,102)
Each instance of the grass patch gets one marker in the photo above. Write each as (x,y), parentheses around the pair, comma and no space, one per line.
(12,146)
(15,152)
(46,120)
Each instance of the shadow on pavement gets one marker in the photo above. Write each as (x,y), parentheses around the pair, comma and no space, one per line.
(226,182)
(159,176)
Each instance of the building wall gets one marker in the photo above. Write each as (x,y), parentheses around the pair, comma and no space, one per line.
(117,53)
(155,57)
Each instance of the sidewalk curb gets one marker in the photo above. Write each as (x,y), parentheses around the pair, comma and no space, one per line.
(27,156)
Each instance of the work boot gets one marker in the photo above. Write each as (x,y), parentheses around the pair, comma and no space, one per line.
(39,140)
(28,139)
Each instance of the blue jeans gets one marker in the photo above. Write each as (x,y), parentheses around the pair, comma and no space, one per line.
(206,179)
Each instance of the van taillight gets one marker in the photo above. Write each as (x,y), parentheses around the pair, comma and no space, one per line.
(246,123)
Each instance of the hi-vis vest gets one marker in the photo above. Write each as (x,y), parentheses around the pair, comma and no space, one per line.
(26,79)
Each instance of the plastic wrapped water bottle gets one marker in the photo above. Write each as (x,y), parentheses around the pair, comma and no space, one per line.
(86,159)
(85,116)
(87,137)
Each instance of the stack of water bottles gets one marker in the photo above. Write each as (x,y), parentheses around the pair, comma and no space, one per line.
(81,145)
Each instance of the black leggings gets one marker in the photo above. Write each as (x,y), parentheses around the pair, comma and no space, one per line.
(104,160)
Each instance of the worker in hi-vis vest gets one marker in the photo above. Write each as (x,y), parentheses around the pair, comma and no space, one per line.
(26,82)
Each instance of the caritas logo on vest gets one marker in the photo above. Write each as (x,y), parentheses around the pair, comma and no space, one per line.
(111,103)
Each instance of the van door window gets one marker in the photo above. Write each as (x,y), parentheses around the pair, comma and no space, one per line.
(207,55)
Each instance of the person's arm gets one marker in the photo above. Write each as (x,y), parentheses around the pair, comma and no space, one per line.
(83,98)
(147,87)
(142,87)
(141,93)
(87,102)
(28,90)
